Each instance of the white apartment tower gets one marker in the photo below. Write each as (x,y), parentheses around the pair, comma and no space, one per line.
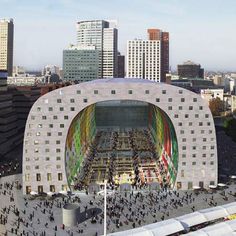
(104,38)
(144,59)
(6,45)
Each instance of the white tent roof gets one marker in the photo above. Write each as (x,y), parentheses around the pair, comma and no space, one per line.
(232,224)
(220,229)
(230,208)
(133,232)
(165,227)
(197,233)
(214,213)
(191,219)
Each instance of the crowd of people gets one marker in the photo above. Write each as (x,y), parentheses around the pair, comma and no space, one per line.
(41,216)
(125,156)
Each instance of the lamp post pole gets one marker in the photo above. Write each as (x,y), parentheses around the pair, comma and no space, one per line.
(105,209)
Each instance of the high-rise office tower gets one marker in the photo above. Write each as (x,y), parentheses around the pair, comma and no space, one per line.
(190,69)
(6,45)
(149,59)
(144,59)
(80,63)
(100,34)
(157,34)
(121,66)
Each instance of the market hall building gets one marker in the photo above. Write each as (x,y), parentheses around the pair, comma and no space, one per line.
(64,127)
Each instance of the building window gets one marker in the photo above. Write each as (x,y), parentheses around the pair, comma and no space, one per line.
(200,108)
(47,158)
(36,150)
(163,91)
(130,92)
(212,163)
(180,91)
(59,176)
(78,92)
(50,125)
(85,100)
(32,117)
(49,134)
(40,125)
(113,91)
(38,108)
(72,109)
(47,150)
(59,133)
(196,116)
(49,177)
(207,116)
(44,117)
(204,155)
(194,163)
(61,108)
(200,123)
(183,155)
(186,116)
(183,147)
(180,108)
(146,91)
(195,100)
(157,99)
(72,100)
(50,109)
(58,150)
(190,123)
(170,99)
(38,134)
(95,91)
(58,158)
(194,147)
(190,108)
(212,147)
(182,100)
(61,125)
(38,177)
(182,131)
(58,141)
(192,131)
(183,139)
(169,108)
(204,163)
(208,123)
(58,166)
(27,177)
(180,124)
(194,155)
(176,116)
(66,117)
(184,163)
(55,117)
(58,100)
(182,173)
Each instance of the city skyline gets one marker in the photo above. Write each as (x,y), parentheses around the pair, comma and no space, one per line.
(199,31)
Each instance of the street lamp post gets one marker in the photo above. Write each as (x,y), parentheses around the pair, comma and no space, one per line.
(105,209)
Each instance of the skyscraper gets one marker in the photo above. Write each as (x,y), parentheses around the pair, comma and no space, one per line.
(190,69)
(80,63)
(149,59)
(99,34)
(144,59)
(6,45)
(157,34)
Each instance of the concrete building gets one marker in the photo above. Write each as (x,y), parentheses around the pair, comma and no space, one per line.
(121,66)
(208,94)
(99,34)
(54,125)
(157,34)
(144,59)
(190,70)
(3,80)
(6,45)
(26,80)
(81,63)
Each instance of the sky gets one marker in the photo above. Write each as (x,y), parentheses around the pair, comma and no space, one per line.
(203,31)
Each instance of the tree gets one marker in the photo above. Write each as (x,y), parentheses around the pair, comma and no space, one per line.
(216,106)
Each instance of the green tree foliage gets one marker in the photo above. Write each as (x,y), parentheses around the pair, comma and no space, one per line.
(216,106)
(230,128)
